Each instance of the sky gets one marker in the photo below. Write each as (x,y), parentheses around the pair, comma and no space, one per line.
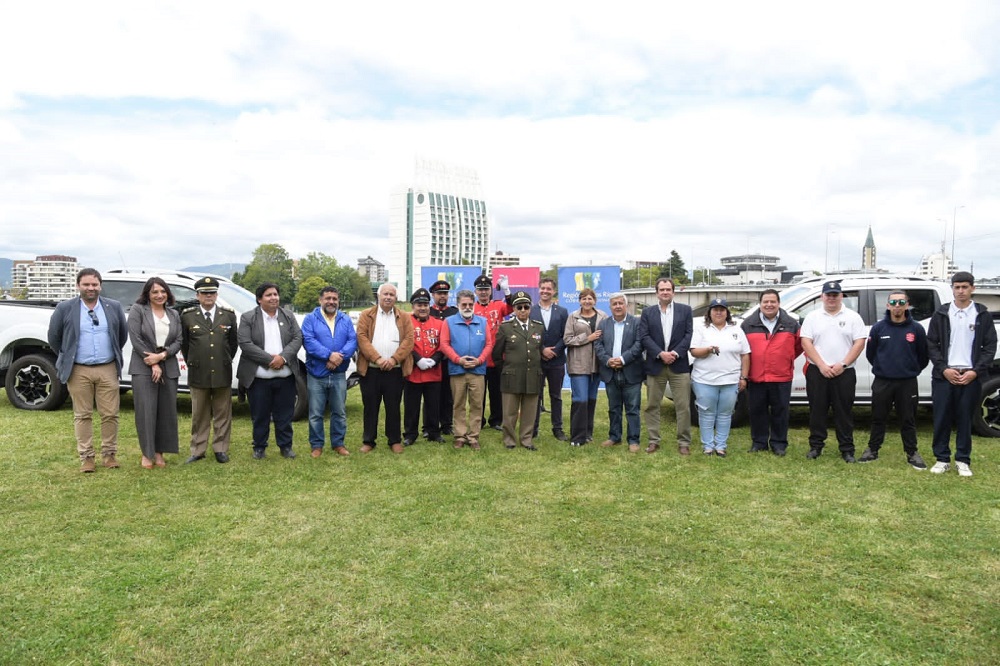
(160,134)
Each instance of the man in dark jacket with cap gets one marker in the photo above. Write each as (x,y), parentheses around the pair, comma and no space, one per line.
(897,351)
(440,292)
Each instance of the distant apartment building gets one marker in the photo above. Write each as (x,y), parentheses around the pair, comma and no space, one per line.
(498,258)
(633,264)
(48,277)
(439,219)
(372,269)
(749,269)
(937,266)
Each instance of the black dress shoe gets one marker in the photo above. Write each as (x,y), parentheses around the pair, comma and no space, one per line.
(510,446)
(848,458)
(813,454)
(561,436)
(438,439)
(221,457)
(258,453)
(446,430)
(407,441)
(530,447)
(287,453)
(779,452)
(194,459)
(497,427)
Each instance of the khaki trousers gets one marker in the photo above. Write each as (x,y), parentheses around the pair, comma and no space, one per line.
(90,384)
(468,392)
(525,404)
(211,409)
(680,390)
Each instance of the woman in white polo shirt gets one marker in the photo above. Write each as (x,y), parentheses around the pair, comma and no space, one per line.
(721,363)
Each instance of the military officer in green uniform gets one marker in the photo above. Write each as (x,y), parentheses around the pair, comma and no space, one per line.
(209,344)
(518,349)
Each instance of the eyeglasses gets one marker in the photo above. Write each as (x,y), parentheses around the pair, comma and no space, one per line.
(897,301)
(522,307)
(93,318)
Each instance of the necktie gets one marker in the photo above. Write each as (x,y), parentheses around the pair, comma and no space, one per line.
(208,318)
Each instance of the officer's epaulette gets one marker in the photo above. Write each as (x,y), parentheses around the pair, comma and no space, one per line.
(192,308)
(225,309)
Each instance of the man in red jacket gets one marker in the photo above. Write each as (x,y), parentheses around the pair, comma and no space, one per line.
(774,346)
(425,380)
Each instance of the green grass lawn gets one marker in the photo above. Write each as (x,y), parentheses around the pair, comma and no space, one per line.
(437,556)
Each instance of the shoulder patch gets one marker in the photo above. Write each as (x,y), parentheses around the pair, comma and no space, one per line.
(226,309)
(192,308)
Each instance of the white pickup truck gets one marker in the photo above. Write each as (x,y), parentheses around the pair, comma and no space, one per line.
(27,363)
(867,294)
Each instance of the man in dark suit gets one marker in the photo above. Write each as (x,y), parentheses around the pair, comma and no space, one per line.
(518,354)
(619,357)
(553,318)
(666,332)
(89,332)
(208,343)
(270,339)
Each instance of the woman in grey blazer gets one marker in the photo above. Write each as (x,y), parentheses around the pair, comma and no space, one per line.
(154,328)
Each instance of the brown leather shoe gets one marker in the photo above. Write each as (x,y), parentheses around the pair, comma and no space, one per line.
(397,447)
(367,448)
(633,448)
(110,462)
(474,446)
(609,443)
(459,443)
(341,451)
(684,450)
(316,453)
(652,448)
(88,465)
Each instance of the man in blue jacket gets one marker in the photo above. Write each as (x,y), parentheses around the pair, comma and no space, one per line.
(89,332)
(962,342)
(619,357)
(330,341)
(467,341)
(897,351)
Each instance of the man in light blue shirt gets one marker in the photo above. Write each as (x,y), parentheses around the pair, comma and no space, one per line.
(89,332)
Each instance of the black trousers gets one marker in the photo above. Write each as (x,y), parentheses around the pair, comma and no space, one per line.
(824,394)
(445,407)
(380,387)
(954,407)
(903,394)
(272,400)
(413,392)
(494,397)
(768,406)
(553,378)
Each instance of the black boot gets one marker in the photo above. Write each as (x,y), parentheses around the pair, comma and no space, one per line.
(578,423)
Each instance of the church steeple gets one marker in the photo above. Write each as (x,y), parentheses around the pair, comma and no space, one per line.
(868,253)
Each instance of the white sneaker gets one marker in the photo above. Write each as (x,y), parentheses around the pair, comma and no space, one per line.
(963,469)
(940,467)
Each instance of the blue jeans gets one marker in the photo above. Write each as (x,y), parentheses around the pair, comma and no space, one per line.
(329,391)
(715,413)
(629,397)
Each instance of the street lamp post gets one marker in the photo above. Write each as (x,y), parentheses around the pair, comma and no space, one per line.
(954,220)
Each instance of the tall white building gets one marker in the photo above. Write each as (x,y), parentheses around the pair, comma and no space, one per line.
(48,277)
(440,219)
(937,266)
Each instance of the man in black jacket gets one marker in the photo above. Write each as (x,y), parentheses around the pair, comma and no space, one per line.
(897,351)
(962,342)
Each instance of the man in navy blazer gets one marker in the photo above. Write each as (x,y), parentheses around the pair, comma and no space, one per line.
(553,317)
(89,332)
(667,363)
(619,357)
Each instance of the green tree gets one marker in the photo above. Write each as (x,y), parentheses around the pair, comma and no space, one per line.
(675,268)
(317,264)
(307,296)
(270,263)
(552,272)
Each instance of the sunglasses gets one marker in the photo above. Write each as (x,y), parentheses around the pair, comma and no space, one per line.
(897,301)
(93,318)
(522,307)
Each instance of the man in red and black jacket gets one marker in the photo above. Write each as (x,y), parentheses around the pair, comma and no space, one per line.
(494,312)
(425,380)
(774,346)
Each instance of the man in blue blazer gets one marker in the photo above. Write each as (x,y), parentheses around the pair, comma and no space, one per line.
(553,317)
(89,332)
(666,332)
(619,357)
